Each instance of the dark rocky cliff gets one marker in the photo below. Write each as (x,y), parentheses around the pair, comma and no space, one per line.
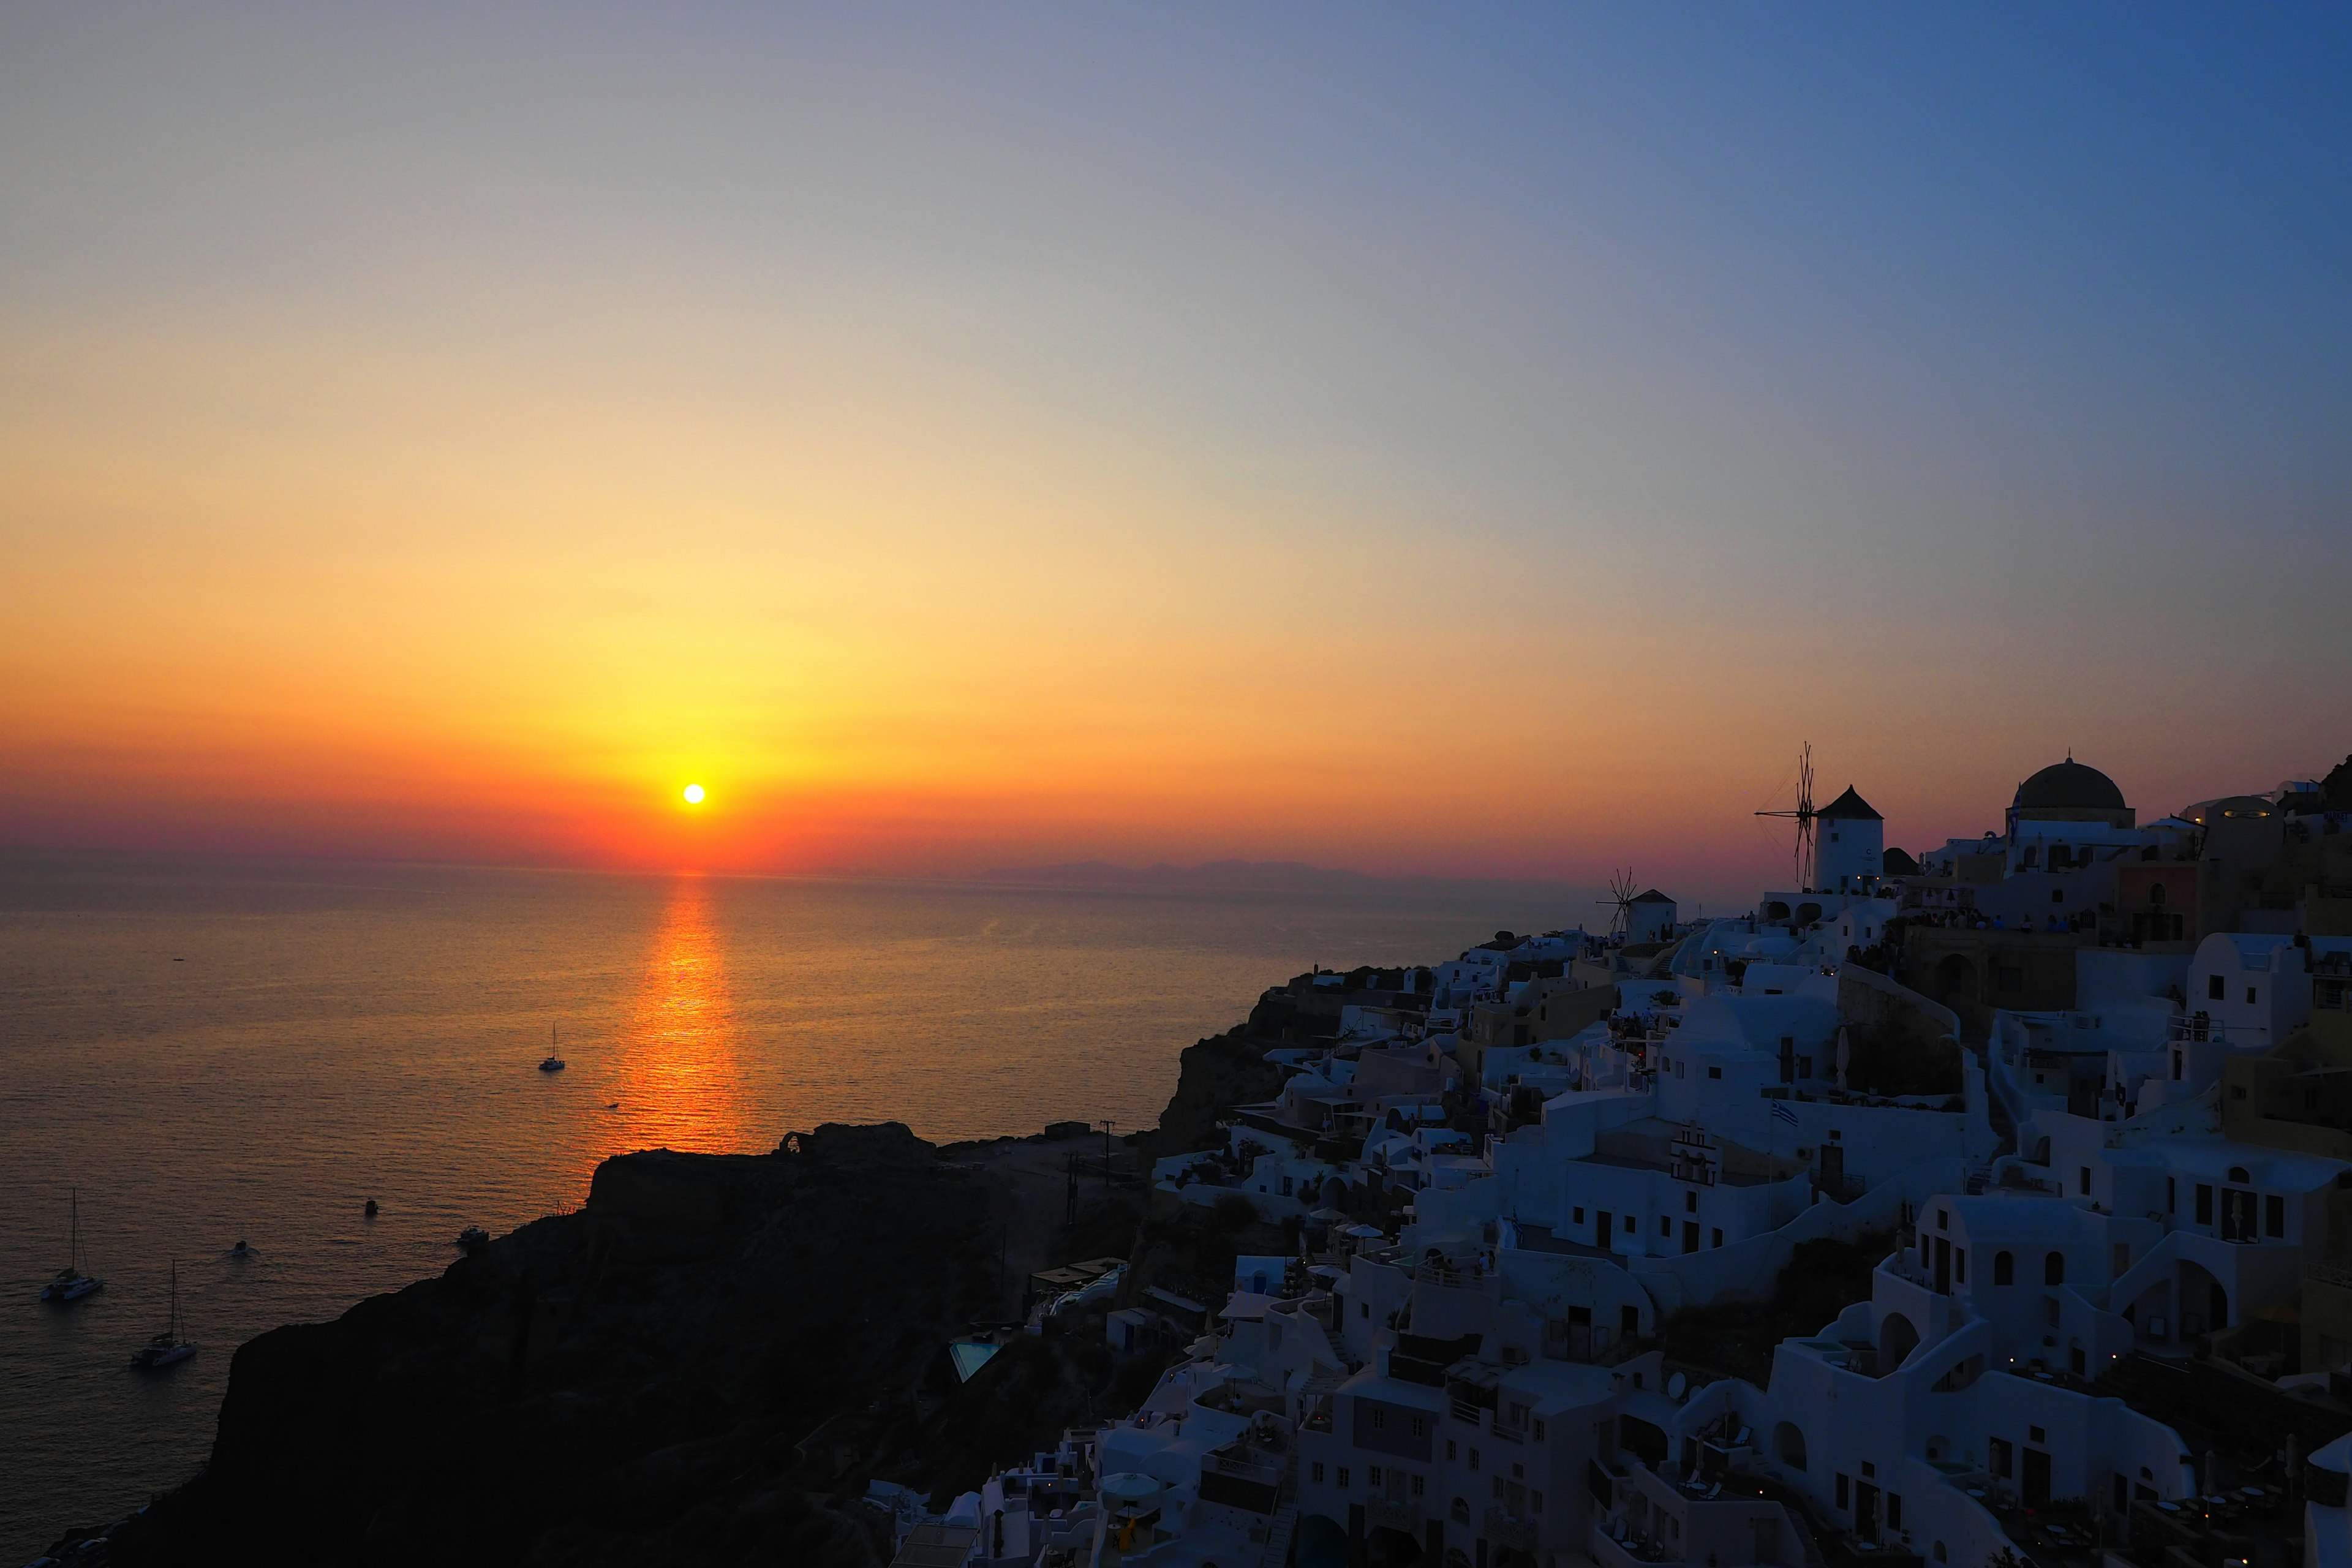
(632,1384)
(704,1365)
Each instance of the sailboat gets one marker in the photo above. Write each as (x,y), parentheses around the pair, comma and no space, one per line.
(168,1346)
(70,1283)
(553,1062)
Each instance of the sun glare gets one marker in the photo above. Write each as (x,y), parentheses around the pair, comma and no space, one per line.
(694,795)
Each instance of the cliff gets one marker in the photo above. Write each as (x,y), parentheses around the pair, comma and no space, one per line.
(703,1365)
(633,1383)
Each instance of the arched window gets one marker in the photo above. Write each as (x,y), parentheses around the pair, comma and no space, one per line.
(2053,1268)
(1461,1510)
(2004,1269)
(2238,1173)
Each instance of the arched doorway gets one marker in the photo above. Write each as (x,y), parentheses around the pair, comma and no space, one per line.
(2204,1301)
(1896,1339)
(1322,1543)
(1387,1548)
(1789,1445)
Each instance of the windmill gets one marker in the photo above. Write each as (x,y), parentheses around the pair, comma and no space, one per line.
(1620,894)
(1804,815)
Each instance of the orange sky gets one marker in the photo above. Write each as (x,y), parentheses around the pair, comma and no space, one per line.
(417,441)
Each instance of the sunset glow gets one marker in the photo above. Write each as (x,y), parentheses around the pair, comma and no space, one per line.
(694,795)
(1107,437)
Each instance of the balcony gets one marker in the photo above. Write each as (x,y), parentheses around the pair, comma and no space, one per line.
(1502,1528)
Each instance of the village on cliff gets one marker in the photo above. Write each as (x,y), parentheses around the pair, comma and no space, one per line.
(2074,1099)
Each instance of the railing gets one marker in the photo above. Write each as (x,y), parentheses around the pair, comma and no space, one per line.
(1503,1530)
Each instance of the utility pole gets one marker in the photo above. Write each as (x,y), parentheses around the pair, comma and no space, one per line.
(1107,1125)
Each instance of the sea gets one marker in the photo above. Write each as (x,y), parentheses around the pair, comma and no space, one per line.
(199,1051)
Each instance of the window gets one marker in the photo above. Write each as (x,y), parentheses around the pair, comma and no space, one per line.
(1373,1476)
(1869,1471)
(1580,1216)
(1519,1471)
(1715,1072)
(2082,1179)
(1498,1486)
(2035,1435)
(1315,1470)
(2004,1269)
(2215,991)
(1666,1226)
(1996,1458)
(1690,1202)
(1535,1502)
(1960,1264)
(2250,995)
(1380,1418)
(1451,1455)
(2273,1215)
(1416,1485)
(1943,1220)
(1894,1510)
(2053,1268)
(1539,1430)
(1843,1499)
(2204,1203)
(1363,1309)
(1343,1477)
(1718,1236)
(1473,1459)
(2171,1184)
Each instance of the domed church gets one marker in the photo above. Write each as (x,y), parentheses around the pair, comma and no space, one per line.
(2070,792)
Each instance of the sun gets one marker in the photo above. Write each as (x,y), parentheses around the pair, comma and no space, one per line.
(694,795)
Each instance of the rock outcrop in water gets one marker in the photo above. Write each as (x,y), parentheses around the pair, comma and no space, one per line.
(703,1365)
(633,1383)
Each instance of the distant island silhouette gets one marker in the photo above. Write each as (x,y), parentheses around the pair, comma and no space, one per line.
(1260,876)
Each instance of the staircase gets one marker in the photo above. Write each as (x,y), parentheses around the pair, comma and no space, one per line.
(1279,1531)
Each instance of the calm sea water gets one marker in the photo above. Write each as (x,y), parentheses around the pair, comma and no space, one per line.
(209,1050)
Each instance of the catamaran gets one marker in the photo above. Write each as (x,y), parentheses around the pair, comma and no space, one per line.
(70,1283)
(168,1346)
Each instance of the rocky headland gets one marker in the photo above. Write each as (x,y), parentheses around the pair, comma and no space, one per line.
(706,1364)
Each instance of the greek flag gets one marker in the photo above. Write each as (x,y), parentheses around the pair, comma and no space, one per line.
(1780,1108)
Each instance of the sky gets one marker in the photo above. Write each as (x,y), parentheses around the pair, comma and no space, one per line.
(1465,442)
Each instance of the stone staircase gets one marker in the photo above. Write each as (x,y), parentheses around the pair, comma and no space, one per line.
(1279,1531)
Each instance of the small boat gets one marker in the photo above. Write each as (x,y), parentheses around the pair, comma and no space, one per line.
(70,1283)
(241,1253)
(370,1210)
(168,1346)
(472,1237)
(553,1062)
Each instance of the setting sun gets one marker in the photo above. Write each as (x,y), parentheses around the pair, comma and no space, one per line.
(694,795)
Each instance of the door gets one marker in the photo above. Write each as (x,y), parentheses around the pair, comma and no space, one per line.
(1600,1229)
(2037,1478)
(1943,1266)
(2237,1214)
(1690,1236)
(1865,1512)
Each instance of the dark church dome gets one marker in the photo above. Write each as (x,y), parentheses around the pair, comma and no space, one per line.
(2069,786)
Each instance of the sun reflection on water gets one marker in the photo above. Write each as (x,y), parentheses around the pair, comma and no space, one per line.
(681,1081)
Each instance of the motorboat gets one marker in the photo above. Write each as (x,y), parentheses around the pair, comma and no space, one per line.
(371,1210)
(168,1346)
(72,1282)
(472,1237)
(241,1253)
